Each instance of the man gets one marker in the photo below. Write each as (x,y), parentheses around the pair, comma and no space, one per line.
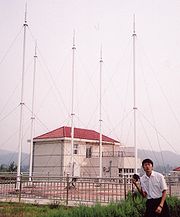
(153,187)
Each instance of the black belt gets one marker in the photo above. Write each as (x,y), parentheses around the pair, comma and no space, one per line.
(154,198)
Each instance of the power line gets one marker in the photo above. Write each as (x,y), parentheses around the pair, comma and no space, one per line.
(11,45)
(157,131)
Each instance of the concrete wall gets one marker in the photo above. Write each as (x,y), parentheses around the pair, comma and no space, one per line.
(54,158)
(48,158)
(78,158)
(111,167)
(80,161)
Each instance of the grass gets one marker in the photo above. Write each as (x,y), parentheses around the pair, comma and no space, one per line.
(21,210)
(128,208)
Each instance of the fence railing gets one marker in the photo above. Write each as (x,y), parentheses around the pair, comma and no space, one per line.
(70,190)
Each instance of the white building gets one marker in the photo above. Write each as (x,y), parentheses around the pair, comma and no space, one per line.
(52,154)
(175,174)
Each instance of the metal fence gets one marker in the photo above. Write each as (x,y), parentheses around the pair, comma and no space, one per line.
(70,191)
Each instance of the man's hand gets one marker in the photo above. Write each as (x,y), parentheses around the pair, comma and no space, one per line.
(135,179)
(159,209)
(135,182)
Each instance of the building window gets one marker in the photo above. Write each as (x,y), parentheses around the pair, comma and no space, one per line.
(75,149)
(125,170)
(131,170)
(89,152)
(120,170)
(128,170)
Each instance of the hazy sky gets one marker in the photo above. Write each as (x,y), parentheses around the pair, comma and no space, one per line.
(96,23)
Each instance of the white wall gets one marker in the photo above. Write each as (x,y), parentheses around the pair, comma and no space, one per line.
(54,158)
(48,158)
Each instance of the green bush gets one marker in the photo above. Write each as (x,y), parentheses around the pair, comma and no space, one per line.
(174,206)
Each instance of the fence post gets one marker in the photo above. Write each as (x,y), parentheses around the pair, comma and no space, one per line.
(125,192)
(20,187)
(67,188)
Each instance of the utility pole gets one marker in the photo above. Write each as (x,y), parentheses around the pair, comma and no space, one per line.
(21,104)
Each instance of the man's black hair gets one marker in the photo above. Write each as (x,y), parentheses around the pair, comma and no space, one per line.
(147,161)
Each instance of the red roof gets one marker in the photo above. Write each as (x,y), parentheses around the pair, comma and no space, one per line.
(64,131)
(176,169)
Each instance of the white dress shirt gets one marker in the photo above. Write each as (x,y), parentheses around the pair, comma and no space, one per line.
(153,185)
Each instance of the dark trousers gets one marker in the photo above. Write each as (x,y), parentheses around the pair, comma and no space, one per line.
(151,206)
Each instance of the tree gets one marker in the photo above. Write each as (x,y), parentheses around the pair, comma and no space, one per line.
(3,168)
(12,167)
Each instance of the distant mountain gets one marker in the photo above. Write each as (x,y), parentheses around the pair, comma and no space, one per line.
(166,159)
(6,157)
(162,159)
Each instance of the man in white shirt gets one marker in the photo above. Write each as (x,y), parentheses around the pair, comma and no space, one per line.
(153,187)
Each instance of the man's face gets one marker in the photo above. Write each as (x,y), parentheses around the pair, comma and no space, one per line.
(148,167)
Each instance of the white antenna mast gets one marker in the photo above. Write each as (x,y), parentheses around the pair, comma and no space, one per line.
(72,108)
(21,104)
(100,116)
(32,116)
(134,90)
